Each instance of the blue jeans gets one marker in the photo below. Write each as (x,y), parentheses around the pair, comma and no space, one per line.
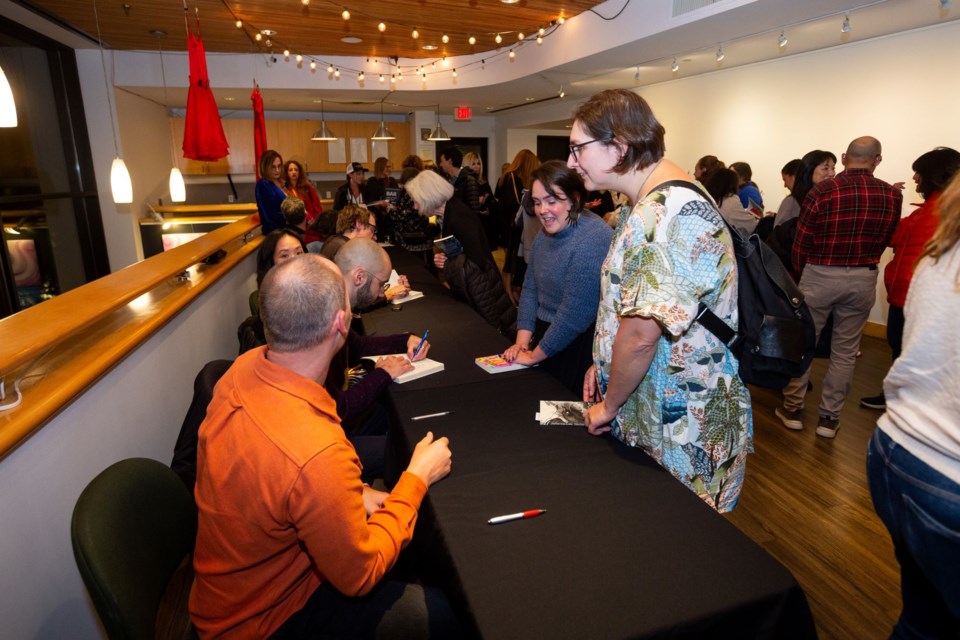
(921,509)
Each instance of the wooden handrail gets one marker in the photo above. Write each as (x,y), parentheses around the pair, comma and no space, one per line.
(37,329)
(71,341)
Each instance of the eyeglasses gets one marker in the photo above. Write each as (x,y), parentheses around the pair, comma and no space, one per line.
(383,287)
(575,148)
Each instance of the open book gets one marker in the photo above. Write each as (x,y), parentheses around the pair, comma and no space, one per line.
(562,412)
(394,280)
(422,368)
(449,245)
(496,364)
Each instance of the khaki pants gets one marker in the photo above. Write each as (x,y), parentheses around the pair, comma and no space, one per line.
(849,293)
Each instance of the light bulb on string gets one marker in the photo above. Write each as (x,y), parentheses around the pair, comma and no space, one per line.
(286,54)
(306,3)
(239,24)
(360,77)
(498,39)
(561,20)
(445,39)
(415,34)
(512,55)
(520,36)
(445,62)
(329,69)
(336,73)
(381,78)
(454,72)
(539,40)
(393,78)
(299,59)
(542,32)
(346,14)
(472,41)
(313,65)
(382,27)
(258,37)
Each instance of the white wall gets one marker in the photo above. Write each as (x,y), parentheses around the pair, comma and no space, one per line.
(135,410)
(899,89)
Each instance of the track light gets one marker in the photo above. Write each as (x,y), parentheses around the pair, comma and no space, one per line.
(782,40)
(845,27)
(675,67)
(720,54)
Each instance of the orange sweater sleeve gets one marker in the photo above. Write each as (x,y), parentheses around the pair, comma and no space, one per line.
(350,550)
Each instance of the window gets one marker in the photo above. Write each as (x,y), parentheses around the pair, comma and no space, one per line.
(52,231)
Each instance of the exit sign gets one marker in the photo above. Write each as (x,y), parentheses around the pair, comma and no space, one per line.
(462,113)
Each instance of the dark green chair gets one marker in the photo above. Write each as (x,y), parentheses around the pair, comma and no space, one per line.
(133,531)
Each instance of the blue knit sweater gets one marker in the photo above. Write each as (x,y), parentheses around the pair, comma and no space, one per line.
(562,285)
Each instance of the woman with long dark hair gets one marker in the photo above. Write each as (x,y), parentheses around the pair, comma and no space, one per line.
(558,305)
(270,191)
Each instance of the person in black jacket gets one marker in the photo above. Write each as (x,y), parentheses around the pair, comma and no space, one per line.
(465,185)
(472,274)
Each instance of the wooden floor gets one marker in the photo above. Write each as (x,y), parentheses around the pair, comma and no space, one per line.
(806,501)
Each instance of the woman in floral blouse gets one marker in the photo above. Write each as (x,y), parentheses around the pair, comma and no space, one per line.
(661,381)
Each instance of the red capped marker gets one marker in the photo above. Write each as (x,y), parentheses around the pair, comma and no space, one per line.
(533,513)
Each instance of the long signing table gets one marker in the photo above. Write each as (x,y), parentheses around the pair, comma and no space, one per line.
(624,550)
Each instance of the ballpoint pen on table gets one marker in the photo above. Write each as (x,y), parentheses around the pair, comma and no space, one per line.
(432,415)
(533,513)
(419,346)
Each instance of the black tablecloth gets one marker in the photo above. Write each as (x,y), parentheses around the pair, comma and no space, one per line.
(624,550)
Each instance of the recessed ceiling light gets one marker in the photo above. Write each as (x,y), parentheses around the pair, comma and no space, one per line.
(430,47)
(509,1)
(351,40)
(528,99)
(229,99)
(268,33)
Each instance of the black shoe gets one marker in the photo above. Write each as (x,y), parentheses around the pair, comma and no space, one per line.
(874,402)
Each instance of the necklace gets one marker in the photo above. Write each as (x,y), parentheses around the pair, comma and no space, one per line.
(640,191)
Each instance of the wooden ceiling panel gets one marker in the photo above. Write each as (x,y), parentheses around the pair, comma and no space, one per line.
(315,30)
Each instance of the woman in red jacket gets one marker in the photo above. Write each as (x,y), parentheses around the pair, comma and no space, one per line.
(932,173)
(299,186)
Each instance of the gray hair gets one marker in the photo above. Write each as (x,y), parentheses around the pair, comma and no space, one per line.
(363,253)
(299,299)
(429,191)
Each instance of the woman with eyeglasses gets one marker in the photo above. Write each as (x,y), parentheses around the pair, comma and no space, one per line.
(660,380)
(558,306)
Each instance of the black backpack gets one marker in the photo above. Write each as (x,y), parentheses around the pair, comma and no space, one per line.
(776,338)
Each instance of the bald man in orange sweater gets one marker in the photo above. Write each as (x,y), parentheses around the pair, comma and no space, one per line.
(289,537)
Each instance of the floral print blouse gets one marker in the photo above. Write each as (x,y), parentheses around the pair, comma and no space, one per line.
(691,412)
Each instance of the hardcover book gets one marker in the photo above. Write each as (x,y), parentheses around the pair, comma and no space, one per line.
(496,364)
(449,245)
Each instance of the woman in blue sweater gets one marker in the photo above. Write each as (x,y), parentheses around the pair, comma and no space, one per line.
(561,290)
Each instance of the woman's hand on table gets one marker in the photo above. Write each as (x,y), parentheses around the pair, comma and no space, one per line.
(513,351)
(395,365)
(598,418)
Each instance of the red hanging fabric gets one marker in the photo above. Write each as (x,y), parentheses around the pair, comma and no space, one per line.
(259,129)
(203,137)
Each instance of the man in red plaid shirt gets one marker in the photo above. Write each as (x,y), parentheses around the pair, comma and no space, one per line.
(845,224)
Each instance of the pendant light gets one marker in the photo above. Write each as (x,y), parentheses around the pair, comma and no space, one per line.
(438,134)
(178,189)
(8,108)
(382,132)
(120,183)
(323,133)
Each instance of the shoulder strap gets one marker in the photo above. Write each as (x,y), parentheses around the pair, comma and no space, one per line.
(707,318)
